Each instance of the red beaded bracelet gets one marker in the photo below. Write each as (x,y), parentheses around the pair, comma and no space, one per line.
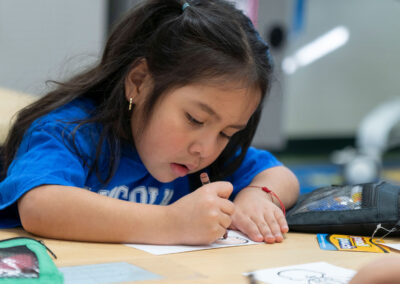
(267,190)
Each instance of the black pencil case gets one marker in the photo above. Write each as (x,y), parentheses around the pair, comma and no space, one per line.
(347,209)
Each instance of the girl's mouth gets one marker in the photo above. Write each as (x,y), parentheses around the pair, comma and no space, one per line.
(179,169)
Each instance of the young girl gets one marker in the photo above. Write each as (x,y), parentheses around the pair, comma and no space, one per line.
(178,91)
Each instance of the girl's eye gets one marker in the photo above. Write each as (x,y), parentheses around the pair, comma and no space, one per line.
(225,136)
(195,122)
(192,120)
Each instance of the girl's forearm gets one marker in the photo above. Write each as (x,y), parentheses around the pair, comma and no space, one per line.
(71,213)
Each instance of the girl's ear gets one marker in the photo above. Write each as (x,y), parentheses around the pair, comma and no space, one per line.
(138,81)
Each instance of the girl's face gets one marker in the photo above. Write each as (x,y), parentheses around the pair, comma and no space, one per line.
(190,127)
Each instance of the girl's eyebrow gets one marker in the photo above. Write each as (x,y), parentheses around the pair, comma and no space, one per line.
(210,111)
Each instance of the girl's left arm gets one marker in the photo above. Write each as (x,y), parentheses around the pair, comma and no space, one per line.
(259,214)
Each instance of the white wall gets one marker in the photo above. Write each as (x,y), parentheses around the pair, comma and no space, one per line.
(270,133)
(330,97)
(47,39)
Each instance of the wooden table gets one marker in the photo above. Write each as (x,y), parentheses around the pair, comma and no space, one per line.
(10,103)
(223,265)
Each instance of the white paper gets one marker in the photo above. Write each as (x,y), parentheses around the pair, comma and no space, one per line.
(393,246)
(309,273)
(234,239)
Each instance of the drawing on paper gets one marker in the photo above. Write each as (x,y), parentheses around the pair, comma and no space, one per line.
(311,277)
(232,240)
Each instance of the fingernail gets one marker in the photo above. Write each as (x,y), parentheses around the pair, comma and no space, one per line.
(271,237)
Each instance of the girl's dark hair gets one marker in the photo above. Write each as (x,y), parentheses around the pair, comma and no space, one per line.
(209,40)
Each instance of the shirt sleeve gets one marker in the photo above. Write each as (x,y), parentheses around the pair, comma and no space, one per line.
(46,155)
(254,162)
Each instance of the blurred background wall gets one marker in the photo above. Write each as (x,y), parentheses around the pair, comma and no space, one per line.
(329,97)
(46,39)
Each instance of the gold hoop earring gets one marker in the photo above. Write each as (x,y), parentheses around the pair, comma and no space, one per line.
(130,104)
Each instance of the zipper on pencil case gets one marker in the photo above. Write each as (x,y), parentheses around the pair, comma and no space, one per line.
(39,241)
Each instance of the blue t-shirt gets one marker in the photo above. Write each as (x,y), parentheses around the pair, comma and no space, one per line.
(55,151)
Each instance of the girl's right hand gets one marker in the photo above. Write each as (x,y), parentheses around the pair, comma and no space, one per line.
(204,215)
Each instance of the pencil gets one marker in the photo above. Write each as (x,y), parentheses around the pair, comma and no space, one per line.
(206,180)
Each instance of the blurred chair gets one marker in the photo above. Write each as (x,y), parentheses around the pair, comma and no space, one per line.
(377,133)
(11,103)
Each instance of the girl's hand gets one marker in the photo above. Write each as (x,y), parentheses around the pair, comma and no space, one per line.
(383,270)
(258,217)
(204,215)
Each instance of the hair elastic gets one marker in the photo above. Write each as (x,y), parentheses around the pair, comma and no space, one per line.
(185,5)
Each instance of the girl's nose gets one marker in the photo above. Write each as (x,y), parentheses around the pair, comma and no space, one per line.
(203,147)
